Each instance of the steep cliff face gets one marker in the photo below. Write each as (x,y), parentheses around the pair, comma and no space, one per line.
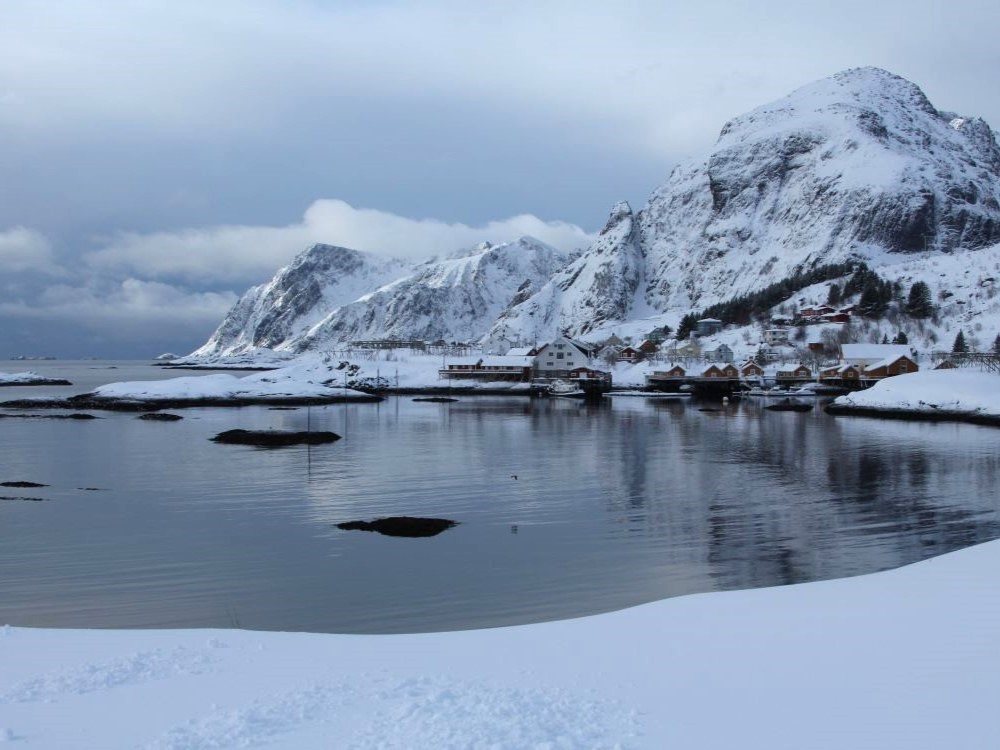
(858,164)
(319,280)
(456,299)
(597,288)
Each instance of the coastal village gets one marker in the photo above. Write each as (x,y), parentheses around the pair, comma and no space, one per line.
(702,362)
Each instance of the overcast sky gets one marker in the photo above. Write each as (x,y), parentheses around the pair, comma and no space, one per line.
(159,157)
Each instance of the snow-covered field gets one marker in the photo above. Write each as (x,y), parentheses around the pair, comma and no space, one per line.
(959,391)
(902,659)
(307,377)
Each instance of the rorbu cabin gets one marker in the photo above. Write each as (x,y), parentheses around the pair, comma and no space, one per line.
(796,373)
(890,367)
(720,371)
(629,354)
(841,374)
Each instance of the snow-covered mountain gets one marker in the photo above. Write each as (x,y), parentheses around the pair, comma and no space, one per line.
(319,280)
(331,295)
(856,166)
(597,288)
(456,299)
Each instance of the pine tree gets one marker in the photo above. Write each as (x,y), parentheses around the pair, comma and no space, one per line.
(885,338)
(959,346)
(874,297)
(833,296)
(918,304)
(901,338)
(687,324)
(996,344)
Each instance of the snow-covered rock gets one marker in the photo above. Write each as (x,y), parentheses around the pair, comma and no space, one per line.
(933,392)
(309,377)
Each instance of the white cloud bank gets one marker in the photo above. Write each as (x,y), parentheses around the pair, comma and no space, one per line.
(23,249)
(240,254)
(129,306)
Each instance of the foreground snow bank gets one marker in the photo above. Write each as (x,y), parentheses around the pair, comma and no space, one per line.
(958,391)
(907,658)
(308,377)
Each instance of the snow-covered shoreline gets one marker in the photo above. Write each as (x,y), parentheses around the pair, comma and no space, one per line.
(957,394)
(904,658)
(29,378)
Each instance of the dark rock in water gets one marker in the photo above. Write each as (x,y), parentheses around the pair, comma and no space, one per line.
(709,408)
(282,408)
(157,416)
(25,499)
(789,406)
(77,415)
(401,526)
(22,484)
(90,489)
(436,399)
(274,438)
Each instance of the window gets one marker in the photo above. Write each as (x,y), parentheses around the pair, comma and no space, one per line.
(560,355)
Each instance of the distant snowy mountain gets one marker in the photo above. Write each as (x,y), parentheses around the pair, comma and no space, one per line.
(456,299)
(319,280)
(856,166)
(331,295)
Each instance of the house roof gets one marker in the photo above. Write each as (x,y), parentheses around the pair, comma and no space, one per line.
(887,361)
(874,352)
(522,351)
(507,361)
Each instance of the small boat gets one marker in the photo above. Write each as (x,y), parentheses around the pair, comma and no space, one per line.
(770,392)
(565,390)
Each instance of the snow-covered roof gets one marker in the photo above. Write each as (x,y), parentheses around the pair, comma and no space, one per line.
(508,361)
(874,352)
(887,361)
(522,351)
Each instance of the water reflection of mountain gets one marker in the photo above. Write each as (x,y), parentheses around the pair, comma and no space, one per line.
(614,504)
(780,498)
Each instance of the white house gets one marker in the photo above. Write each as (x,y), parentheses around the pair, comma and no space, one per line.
(562,355)
(776,336)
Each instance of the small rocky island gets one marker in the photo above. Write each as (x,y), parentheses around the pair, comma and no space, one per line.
(409,526)
(274,438)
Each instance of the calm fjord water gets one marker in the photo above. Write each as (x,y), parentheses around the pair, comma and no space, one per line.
(613,505)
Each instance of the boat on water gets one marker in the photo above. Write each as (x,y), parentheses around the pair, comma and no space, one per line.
(563,389)
(770,392)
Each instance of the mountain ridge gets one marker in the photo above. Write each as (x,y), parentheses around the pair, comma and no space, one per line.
(859,166)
